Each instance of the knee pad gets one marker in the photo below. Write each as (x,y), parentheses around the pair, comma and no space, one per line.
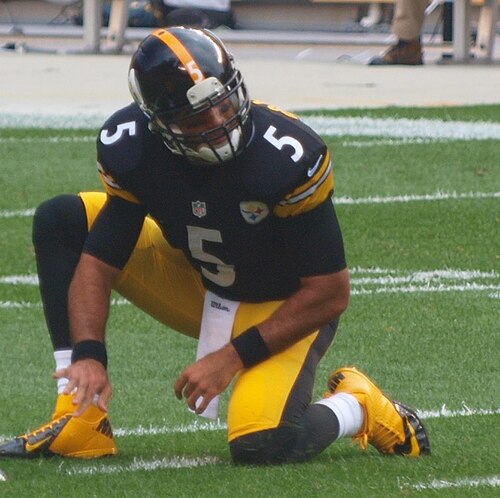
(60,220)
(273,446)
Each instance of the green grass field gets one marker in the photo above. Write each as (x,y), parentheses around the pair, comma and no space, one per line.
(420,215)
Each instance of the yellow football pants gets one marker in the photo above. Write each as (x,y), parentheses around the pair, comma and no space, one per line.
(160,281)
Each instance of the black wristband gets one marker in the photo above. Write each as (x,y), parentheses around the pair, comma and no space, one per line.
(250,347)
(95,350)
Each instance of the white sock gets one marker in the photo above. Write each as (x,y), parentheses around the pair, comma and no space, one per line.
(348,411)
(63,360)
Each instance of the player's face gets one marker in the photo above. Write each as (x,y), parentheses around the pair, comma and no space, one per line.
(210,134)
(212,125)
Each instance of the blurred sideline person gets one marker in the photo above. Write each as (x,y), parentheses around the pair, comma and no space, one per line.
(163,13)
(198,13)
(407,25)
(218,221)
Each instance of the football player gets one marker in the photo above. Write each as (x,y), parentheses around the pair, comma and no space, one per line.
(218,221)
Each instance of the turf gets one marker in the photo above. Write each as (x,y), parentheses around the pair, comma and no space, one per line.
(423,322)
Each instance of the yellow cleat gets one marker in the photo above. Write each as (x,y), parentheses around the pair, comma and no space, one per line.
(87,436)
(389,425)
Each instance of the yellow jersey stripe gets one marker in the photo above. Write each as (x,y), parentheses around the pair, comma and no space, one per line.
(316,174)
(294,199)
(117,191)
(307,200)
(182,54)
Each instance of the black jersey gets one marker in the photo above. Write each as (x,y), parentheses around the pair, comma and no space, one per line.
(252,226)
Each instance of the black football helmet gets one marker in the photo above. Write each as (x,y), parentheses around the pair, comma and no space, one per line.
(185,81)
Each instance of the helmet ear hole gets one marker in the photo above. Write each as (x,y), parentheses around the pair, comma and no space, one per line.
(179,73)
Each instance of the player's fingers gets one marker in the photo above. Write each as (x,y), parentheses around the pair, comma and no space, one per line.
(104,397)
(195,398)
(179,385)
(201,405)
(83,399)
(71,386)
(59,374)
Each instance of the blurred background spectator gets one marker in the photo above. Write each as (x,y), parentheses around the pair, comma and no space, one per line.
(407,25)
(160,13)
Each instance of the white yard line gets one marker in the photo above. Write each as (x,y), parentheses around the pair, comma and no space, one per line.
(324,125)
(56,139)
(19,213)
(436,196)
(471,482)
(218,425)
(151,430)
(403,128)
(26,305)
(411,289)
(392,142)
(365,281)
(177,462)
(444,412)
(423,276)
(181,462)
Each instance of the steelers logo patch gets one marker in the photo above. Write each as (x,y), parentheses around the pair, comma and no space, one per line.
(253,212)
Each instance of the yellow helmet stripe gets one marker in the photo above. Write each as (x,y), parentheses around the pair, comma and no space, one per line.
(182,54)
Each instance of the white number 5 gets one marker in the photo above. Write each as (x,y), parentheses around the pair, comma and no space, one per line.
(225,274)
(107,139)
(279,143)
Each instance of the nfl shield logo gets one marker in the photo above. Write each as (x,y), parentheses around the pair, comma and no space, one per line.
(199,208)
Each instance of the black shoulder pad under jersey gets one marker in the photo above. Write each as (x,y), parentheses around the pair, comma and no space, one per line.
(122,140)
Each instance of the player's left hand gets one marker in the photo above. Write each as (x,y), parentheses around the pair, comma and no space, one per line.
(207,377)
(88,378)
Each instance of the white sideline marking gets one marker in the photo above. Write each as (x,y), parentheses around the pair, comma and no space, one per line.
(474,482)
(436,196)
(403,128)
(137,464)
